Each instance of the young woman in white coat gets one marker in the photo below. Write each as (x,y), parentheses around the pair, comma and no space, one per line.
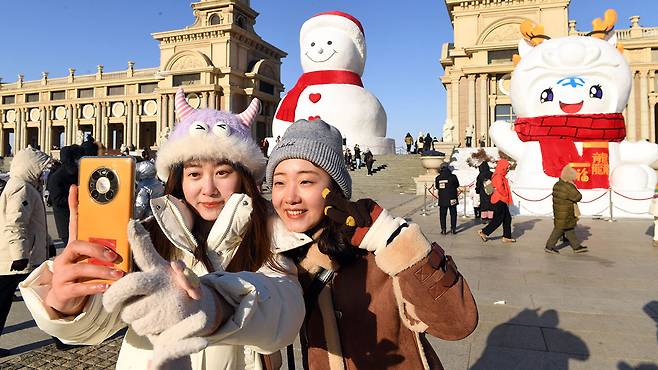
(212,222)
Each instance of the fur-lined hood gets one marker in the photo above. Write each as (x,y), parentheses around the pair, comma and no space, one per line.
(28,165)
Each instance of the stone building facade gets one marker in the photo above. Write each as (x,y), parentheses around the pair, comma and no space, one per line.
(219,60)
(478,64)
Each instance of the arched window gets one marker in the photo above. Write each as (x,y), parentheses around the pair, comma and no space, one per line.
(215,19)
(240,22)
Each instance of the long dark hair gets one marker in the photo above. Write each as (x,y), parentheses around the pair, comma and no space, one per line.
(334,240)
(255,248)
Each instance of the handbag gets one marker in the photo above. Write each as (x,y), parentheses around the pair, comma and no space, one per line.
(576,210)
(488,187)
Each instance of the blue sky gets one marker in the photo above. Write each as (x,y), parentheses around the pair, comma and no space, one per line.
(404,43)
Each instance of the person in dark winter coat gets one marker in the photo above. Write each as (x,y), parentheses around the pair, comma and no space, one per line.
(427,142)
(446,184)
(486,209)
(89,147)
(565,199)
(369,159)
(58,186)
(357,156)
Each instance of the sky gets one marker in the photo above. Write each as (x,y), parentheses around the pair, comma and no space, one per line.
(404,42)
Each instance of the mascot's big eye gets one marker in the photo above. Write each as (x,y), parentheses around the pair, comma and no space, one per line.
(596,92)
(312,44)
(546,95)
(198,128)
(221,129)
(329,42)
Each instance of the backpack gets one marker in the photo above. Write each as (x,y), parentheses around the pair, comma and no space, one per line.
(488,187)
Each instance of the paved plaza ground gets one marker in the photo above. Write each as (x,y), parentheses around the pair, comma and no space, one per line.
(537,311)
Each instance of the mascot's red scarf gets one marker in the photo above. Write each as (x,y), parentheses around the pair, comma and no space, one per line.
(557,134)
(288,106)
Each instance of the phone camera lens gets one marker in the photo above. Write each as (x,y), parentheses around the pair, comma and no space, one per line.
(94,194)
(109,195)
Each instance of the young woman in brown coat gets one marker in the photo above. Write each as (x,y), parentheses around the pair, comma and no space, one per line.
(374,286)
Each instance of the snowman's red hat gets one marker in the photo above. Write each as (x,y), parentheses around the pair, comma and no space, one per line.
(342,21)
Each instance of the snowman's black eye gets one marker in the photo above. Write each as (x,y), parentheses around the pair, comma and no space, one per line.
(312,44)
(329,42)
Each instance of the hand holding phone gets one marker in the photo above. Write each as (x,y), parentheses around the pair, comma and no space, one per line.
(105,205)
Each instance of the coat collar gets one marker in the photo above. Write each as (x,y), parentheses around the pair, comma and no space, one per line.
(284,240)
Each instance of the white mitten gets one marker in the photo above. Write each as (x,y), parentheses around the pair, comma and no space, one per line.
(154,305)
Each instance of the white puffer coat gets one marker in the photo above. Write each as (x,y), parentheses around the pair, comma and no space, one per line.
(268,304)
(23,214)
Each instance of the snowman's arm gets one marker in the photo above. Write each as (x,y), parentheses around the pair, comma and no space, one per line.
(639,152)
(506,139)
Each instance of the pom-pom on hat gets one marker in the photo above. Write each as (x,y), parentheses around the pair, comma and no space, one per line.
(342,21)
(317,142)
(211,134)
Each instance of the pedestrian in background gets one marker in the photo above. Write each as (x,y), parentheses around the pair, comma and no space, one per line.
(565,211)
(408,141)
(484,188)
(58,185)
(447,185)
(369,159)
(427,143)
(148,187)
(357,156)
(500,199)
(348,159)
(25,238)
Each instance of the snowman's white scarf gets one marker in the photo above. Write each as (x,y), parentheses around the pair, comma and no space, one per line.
(288,106)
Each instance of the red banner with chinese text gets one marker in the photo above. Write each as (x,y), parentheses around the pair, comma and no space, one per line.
(593,166)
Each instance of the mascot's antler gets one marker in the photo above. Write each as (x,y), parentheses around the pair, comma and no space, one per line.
(601,28)
(533,33)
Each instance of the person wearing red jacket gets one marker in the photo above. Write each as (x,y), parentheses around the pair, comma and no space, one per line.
(500,199)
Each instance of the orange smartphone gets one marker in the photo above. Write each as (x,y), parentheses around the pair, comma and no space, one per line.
(105,205)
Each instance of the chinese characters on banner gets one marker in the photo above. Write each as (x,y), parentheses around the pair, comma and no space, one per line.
(593,166)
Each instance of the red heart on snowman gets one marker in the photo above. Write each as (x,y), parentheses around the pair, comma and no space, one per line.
(315,97)
(313,118)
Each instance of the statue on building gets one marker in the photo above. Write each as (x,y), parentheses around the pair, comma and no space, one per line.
(470,129)
(448,127)
(333,57)
(569,94)
(79,137)
(164,134)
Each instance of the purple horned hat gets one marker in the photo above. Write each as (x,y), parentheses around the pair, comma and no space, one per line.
(211,134)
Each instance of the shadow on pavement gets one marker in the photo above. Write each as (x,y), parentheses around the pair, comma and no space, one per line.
(518,229)
(21,326)
(31,346)
(531,340)
(651,309)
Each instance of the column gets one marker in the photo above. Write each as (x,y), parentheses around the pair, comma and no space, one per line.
(137,122)
(652,120)
(67,125)
(20,144)
(449,101)
(455,103)
(171,116)
(630,112)
(42,130)
(213,100)
(484,107)
(128,132)
(96,132)
(204,99)
(471,109)
(644,101)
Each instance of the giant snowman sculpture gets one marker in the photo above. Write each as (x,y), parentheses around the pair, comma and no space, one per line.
(568,94)
(333,54)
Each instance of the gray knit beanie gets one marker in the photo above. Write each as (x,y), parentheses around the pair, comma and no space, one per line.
(316,142)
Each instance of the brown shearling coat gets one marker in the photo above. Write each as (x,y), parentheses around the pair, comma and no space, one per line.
(375,312)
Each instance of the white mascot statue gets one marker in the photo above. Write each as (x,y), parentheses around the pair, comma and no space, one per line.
(568,94)
(333,55)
